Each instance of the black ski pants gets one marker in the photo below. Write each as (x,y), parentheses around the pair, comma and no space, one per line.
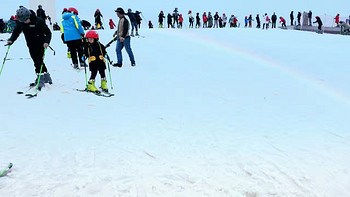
(37,53)
(76,46)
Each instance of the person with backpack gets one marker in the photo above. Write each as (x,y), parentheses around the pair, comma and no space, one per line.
(123,39)
(38,37)
(95,53)
(133,22)
(138,19)
(73,33)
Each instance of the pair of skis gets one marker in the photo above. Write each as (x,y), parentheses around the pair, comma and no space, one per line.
(98,93)
(6,171)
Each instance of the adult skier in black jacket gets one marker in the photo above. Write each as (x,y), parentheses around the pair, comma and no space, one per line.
(319,22)
(299,17)
(38,37)
(291,18)
(170,24)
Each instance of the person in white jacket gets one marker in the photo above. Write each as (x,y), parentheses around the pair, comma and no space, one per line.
(190,19)
(266,21)
(224,20)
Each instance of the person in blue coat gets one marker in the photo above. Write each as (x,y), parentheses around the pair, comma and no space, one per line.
(73,33)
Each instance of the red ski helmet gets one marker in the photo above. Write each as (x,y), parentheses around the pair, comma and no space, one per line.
(75,11)
(12,17)
(92,34)
(223,14)
(97,10)
(161,11)
(190,11)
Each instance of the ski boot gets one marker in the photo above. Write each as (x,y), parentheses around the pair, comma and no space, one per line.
(133,64)
(117,64)
(47,78)
(41,82)
(92,87)
(137,34)
(104,85)
(76,66)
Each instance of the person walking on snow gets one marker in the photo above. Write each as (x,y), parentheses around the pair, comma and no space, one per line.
(231,21)
(123,39)
(133,22)
(73,33)
(176,18)
(337,20)
(170,23)
(246,20)
(95,53)
(111,24)
(38,37)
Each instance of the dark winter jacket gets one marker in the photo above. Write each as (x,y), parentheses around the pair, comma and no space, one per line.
(36,32)
(257,19)
(138,17)
(2,26)
(170,19)
(41,13)
(131,16)
(216,17)
(98,16)
(95,53)
(292,16)
(161,17)
(309,14)
(318,20)
(274,18)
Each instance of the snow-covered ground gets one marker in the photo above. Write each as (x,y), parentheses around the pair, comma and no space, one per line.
(206,112)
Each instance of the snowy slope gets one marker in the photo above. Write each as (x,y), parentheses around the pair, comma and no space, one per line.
(205,112)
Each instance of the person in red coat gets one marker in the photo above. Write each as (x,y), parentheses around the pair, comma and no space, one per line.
(181,20)
(111,24)
(283,21)
(205,20)
(337,20)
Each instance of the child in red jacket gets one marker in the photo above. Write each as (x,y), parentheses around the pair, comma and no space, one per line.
(181,20)
(111,24)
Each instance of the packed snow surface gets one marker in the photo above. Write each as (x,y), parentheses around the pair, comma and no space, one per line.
(205,112)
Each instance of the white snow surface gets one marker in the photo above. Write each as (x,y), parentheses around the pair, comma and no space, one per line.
(206,112)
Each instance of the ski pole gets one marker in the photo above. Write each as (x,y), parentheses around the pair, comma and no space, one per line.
(110,42)
(86,82)
(109,70)
(4,172)
(3,63)
(37,85)
(54,52)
